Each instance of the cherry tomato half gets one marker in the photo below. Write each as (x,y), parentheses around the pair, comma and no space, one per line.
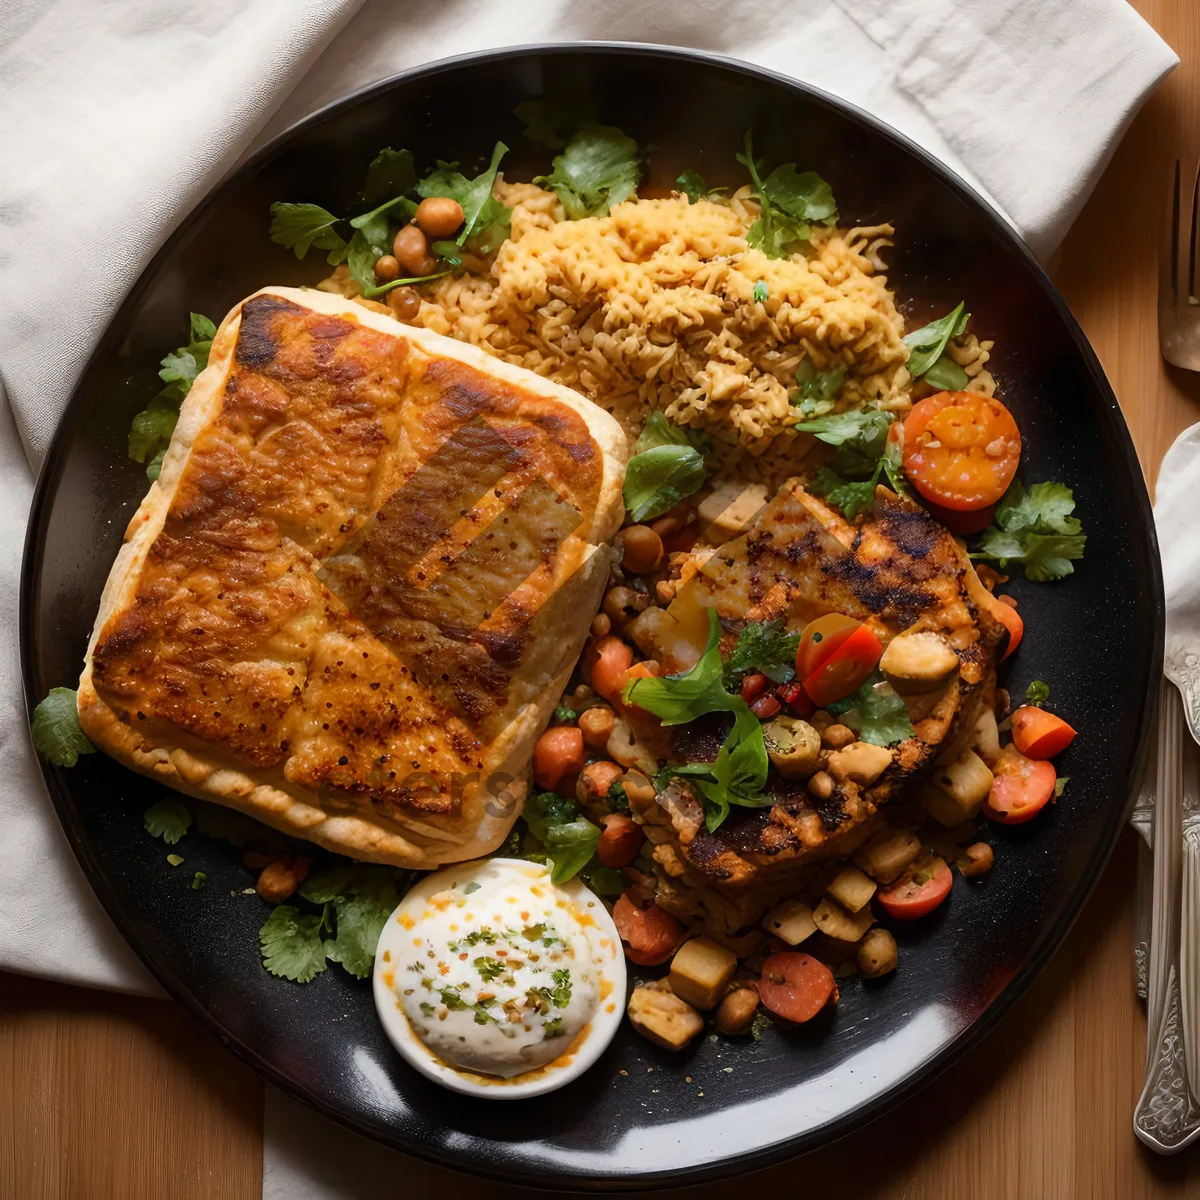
(839,673)
(1022,787)
(1039,734)
(1008,616)
(961,450)
(820,639)
(919,893)
(796,986)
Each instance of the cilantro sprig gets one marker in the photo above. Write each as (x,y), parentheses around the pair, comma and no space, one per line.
(882,715)
(1036,531)
(597,168)
(790,201)
(865,456)
(55,729)
(766,647)
(818,390)
(151,430)
(739,772)
(168,819)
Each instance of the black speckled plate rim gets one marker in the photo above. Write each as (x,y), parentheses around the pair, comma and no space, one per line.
(1146,684)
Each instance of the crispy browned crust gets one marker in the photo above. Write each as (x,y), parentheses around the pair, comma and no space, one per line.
(900,571)
(351,600)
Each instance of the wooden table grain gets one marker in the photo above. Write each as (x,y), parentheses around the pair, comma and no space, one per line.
(108,1096)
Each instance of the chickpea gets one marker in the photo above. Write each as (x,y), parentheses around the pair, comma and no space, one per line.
(638,789)
(736,1011)
(439,216)
(821,785)
(596,725)
(404,303)
(877,953)
(280,878)
(643,549)
(820,720)
(622,603)
(976,859)
(581,697)
(411,250)
(594,781)
(665,590)
(620,840)
(837,736)
(386,268)
(601,625)
(666,526)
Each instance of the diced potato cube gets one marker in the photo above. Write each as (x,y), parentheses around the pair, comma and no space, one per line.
(834,921)
(729,508)
(792,921)
(965,784)
(852,889)
(663,1018)
(884,858)
(701,971)
(985,739)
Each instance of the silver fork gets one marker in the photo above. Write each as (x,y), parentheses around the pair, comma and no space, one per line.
(1178,304)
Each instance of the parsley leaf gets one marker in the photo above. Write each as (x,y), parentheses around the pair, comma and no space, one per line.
(168,819)
(553,1028)
(1060,785)
(1035,530)
(390,174)
(199,880)
(851,497)
(882,714)
(564,715)
(768,648)
(597,169)
(362,898)
(291,944)
(298,227)
(548,122)
(55,729)
(692,185)
(739,773)
(860,436)
(1037,693)
(561,995)
(570,839)
(819,390)
(790,202)
(667,466)
(927,344)
(151,430)
(760,292)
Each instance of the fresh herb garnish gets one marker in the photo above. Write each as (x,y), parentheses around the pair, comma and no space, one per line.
(199,880)
(819,390)
(569,839)
(859,435)
(484,218)
(692,185)
(597,169)
(1035,530)
(618,798)
(176,860)
(927,347)
(768,648)
(489,968)
(667,466)
(472,886)
(564,715)
(291,944)
(561,995)
(553,1028)
(1037,693)
(361,898)
(299,227)
(168,819)
(55,729)
(151,430)
(1060,784)
(760,292)
(739,773)
(882,715)
(452,999)
(790,203)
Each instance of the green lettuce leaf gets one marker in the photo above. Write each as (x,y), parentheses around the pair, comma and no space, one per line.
(597,169)
(927,344)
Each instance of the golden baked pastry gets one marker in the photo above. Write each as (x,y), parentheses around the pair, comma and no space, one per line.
(353,596)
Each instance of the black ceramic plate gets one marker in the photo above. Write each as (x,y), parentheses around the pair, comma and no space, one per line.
(641,1115)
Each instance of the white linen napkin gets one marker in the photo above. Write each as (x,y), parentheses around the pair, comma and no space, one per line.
(117,115)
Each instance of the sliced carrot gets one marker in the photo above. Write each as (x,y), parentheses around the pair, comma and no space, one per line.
(1039,734)
(1022,787)
(917,893)
(609,658)
(796,986)
(557,755)
(620,840)
(650,933)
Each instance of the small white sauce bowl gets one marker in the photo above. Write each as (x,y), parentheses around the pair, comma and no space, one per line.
(607,955)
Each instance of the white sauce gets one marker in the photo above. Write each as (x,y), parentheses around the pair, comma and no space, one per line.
(495,968)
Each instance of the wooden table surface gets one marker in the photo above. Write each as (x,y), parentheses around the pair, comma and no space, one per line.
(108,1096)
